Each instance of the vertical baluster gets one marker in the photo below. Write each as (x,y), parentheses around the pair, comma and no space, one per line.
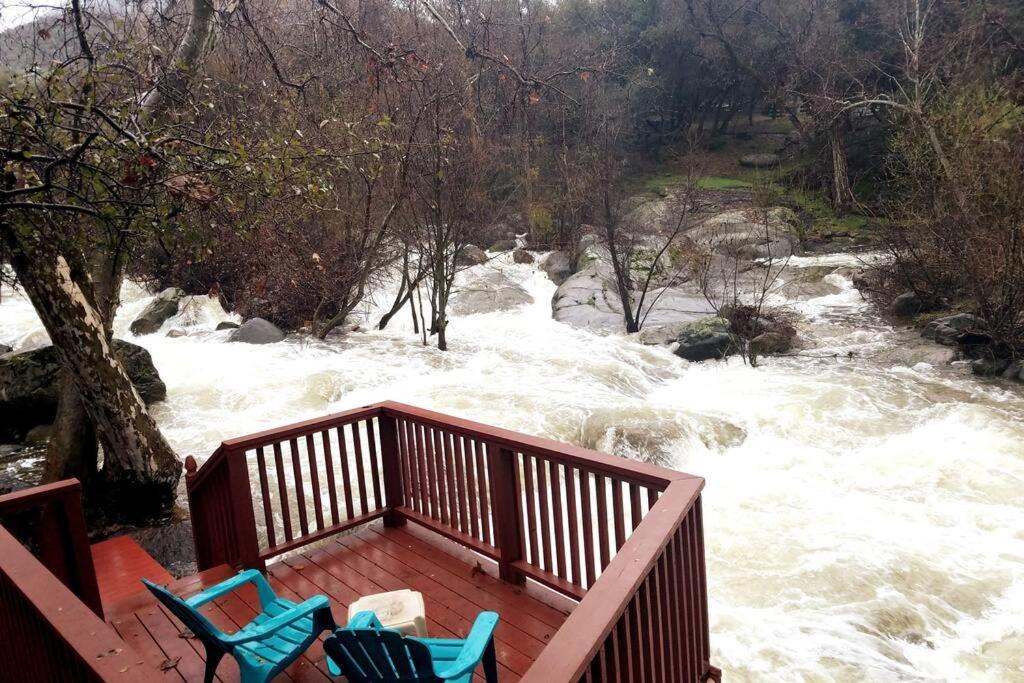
(602,519)
(530,511)
(375,463)
(412,447)
(360,467)
(543,491)
(314,480)
(484,490)
(432,488)
(441,474)
(268,513)
(687,591)
(300,487)
(403,449)
(697,513)
(346,475)
(472,492)
(460,484)
(660,628)
(634,506)
(450,502)
(282,490)
(422,463)
(589,556)
(618,514)
(332,489)
(558,513)
(571,510)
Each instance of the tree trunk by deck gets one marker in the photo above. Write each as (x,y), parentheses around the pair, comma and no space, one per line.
(140,471)
(73,451)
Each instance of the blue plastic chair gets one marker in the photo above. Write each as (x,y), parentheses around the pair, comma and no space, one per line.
(366,652)
(265,646)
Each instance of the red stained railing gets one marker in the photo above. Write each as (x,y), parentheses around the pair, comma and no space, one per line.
(57,534)
(624,538)
(51,619)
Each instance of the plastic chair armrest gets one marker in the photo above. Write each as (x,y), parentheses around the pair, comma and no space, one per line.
(479,638)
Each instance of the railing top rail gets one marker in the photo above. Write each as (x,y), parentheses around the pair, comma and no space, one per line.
(38,495)
(569,653)
(272,436)
(96,643)
(638,472)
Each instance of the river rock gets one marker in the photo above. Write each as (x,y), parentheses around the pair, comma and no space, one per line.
(522,256)
(557,265)
(4,348)
(1015,371)
(257,331)
(759,160)
(162,307)
(503,245)
(176,332)
(29,385)
(227,325)
(990,367)
(906,305)
(589,297)
(748,234)
(39,434)
(486,290)
(471,255)
(948,329)
(707,339)
(771,342)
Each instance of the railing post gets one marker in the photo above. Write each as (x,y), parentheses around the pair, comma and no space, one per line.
(246,540)
(505,511)
(392,469)
(206,555)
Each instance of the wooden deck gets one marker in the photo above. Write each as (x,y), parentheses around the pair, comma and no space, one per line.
(373,560)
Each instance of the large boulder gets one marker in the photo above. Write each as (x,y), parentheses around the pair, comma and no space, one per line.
(759,160)
(557,265)
(471,255)
(4,348)
(227,325)
(990,367)
(163,306)
(770,342)
(707,339)
(748,234)
(29,385)
(486,292)
(589,297)
(949,329)
(257,331)
(907,305)
(1015,371)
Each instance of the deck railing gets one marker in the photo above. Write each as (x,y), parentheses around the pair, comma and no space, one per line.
(57,534)
(51,619)
(624,538)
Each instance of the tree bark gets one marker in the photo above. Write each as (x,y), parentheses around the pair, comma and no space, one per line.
(187,58)
(842,193)
(73,451)
(140,471)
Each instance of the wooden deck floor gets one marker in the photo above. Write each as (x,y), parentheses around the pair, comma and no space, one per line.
(373,560)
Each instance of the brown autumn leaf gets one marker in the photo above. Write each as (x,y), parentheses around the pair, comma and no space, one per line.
(534,97)
(584,76)
(169,664)
(191,187)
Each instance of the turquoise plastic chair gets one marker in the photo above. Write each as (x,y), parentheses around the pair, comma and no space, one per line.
(366,652)
(265,646)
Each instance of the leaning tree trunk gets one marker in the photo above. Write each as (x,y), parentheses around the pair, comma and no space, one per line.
(73,451)
(140,471)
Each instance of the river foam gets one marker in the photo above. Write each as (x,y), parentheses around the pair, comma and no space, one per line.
(863,518)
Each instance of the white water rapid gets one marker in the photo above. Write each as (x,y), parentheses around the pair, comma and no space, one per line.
(864,518)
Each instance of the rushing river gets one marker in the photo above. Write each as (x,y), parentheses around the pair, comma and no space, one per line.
(864,516)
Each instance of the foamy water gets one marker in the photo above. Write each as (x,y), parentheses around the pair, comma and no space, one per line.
(863,520)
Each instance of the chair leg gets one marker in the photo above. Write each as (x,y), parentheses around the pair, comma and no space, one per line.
(213,657)
(490,663)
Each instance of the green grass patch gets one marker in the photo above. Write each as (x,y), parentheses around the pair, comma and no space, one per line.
(825,219)
(719,183)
